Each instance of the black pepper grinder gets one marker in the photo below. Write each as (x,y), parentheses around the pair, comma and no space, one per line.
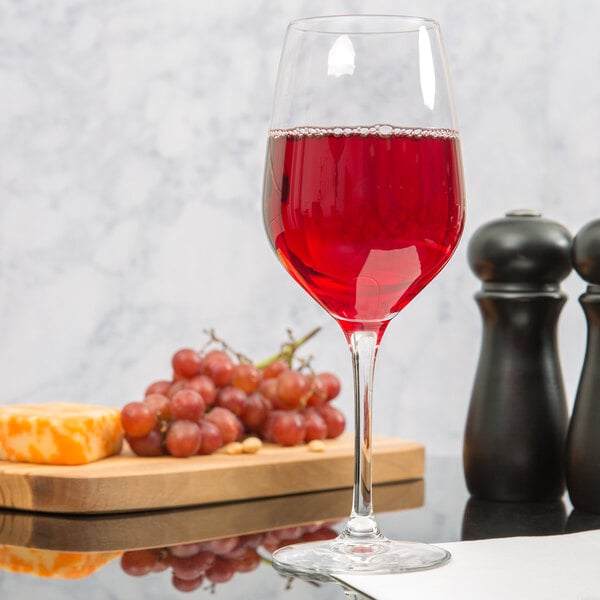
(514,441)
(583,441)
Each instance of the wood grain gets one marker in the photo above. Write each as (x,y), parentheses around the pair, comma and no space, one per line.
(126,483)
(155,529)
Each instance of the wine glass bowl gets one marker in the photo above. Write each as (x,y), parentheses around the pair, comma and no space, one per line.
(363,203)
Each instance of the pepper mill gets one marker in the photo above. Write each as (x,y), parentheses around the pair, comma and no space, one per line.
(514,440)
(583,441)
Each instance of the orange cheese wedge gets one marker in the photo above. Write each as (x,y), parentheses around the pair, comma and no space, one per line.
(59,433)
(53,563)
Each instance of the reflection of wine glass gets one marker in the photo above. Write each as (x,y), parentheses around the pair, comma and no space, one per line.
(363,204)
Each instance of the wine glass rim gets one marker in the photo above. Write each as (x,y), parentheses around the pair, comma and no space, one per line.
(409,23)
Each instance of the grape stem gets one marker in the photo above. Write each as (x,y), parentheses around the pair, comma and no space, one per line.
(288,349)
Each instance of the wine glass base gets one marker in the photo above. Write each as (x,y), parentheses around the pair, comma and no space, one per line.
(327,561)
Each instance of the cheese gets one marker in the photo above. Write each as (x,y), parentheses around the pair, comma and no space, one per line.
(59,433)
(53,563)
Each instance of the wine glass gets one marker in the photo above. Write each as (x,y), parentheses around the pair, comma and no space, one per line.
(363,204)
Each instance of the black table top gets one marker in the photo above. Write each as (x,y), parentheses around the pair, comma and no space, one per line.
(443,512)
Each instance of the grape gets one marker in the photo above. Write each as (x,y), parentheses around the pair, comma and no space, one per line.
(186,363)
(177,386)
(316,427)
(288,428)
(219,367)
(139,562)
(273,369)
(159,405)
(246,377)
(187,405)
(318,391)
(230,426)
(266,429)
(334,419)
(149,445)
(183,438)
(212,439)
(232,398)
(268,389)
(158,387)
(292,388)
(137,419)
(255,412)
(205,386)
(332,384)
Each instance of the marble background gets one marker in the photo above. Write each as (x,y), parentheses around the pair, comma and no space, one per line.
(132,138)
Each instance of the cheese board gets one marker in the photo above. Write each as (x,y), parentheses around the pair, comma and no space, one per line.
(128,483)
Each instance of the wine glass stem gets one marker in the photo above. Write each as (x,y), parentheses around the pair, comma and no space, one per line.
(361,524)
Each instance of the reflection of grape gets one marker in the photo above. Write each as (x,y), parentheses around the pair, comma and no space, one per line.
(221,400)
(217,561)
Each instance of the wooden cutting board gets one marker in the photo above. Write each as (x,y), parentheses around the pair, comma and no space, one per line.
(127,483)
(156,529)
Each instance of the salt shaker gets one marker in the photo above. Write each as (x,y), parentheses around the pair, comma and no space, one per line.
(514,440)
(583,441)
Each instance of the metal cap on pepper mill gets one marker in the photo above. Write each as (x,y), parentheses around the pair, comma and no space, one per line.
(514,441)
(583,442)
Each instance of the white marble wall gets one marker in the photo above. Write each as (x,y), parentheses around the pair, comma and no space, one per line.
(132,138)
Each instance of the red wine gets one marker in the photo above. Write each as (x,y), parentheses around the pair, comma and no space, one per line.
(363,218)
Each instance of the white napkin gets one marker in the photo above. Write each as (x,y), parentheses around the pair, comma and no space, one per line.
(561,567)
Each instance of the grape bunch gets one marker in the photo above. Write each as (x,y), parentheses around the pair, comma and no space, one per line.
(217,561)
(216,397)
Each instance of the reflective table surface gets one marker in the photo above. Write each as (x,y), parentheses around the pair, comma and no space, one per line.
(223,551)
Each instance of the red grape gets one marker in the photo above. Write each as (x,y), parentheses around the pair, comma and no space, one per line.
(158,387)
(318,391)
(288,428)
(187,405)
(212,439)
(150,444)
(186,363)
(137,419)
(219,367)
(159,404)
(205,386)
(246,377)
(334,419)
(332,384)
(268,388)
(273,369)
(316,427)
(177,386)
(292,387)
(255,412)
(230,426)
(183,438)
(232,398)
